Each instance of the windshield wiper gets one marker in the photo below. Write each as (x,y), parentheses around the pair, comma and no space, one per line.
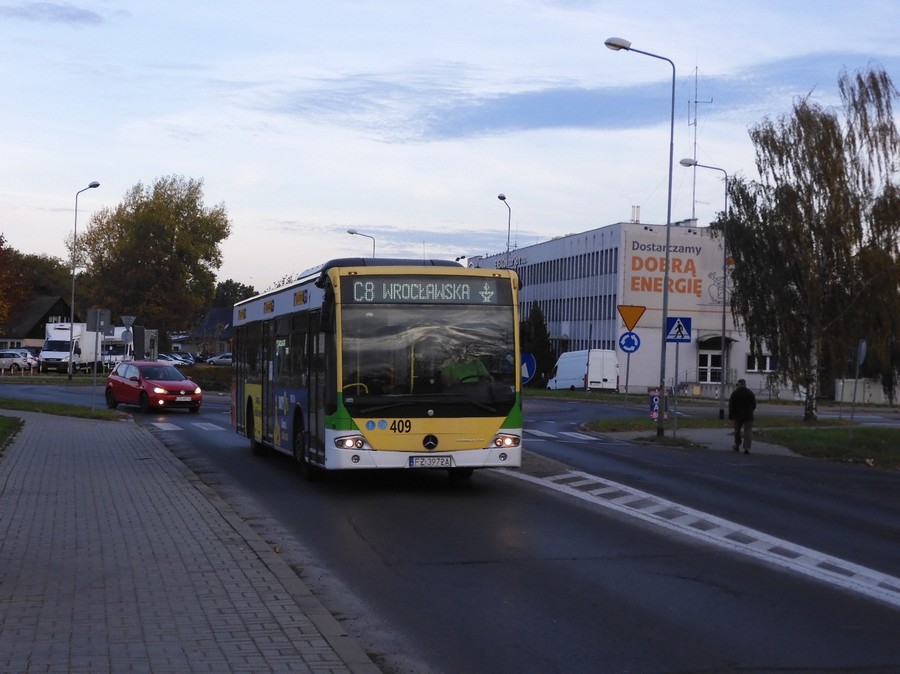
(385,406)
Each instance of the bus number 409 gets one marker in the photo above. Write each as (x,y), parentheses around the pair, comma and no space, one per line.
(401,426)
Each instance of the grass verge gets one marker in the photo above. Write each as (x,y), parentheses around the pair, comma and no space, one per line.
(9,426)
(830,439)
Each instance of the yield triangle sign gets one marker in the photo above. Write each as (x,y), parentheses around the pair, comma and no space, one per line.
(631,314)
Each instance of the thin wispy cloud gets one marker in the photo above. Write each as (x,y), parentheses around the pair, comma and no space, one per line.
(423,109)
(50,12)
(404,124)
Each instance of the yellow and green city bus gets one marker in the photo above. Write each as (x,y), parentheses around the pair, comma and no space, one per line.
(381,363)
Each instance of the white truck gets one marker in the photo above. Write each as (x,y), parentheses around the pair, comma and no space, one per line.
(587,370)
(115,349)
(55,353)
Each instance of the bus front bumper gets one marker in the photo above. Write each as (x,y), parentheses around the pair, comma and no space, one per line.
(492,457)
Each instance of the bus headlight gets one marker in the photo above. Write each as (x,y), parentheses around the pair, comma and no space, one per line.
(350,442)
(507,440)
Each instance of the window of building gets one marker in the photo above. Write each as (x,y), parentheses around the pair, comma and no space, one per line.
(761,363)
(709,367)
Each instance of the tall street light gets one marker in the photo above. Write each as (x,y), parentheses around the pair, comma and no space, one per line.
(90,186)
(502,197)
(353,231)
(693,163)
(616,44)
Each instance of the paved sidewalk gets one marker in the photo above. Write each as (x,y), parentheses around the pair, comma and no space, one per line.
(115,558)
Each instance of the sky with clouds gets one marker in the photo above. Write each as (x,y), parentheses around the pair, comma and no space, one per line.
(403,119)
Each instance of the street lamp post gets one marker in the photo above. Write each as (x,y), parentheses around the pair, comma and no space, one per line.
(90,186)
(693,163)
(502,197)
(616,44)
(353,231)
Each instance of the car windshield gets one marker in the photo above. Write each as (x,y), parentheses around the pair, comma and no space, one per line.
(161,373)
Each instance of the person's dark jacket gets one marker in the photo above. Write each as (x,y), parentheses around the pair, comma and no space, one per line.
(741,404)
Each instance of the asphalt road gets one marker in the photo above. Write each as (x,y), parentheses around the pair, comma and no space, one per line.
(525,571)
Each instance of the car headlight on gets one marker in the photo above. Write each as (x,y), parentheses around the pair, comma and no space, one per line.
(158,390)
(197,391)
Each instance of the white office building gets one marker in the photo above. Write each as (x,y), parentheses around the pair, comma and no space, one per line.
(579,281)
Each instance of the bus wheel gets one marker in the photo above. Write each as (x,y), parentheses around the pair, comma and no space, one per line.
(256,448)
(460,473)
(301,453)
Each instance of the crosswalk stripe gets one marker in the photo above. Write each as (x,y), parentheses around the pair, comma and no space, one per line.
(208,427)
(577,436)
(163,426)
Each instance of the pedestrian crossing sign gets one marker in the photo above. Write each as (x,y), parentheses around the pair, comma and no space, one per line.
(678,329)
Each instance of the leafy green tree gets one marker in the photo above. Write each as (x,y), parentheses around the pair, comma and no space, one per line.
(815,240)
(229,292)
(154,256)
(536,341)
(13,290)
(47,275)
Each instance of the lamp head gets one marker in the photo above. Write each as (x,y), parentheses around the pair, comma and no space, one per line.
(352,231)
(501,197)
(93,184)
(617,43)
(687,161)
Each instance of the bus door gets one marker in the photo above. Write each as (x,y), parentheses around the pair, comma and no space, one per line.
(317,374)
(268,385)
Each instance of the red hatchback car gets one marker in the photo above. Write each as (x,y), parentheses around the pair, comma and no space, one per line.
(153,386)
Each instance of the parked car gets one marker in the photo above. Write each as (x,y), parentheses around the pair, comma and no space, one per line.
(177,358)
(31,361)
(152,385)
(221,359)
(12,361)
(185,356)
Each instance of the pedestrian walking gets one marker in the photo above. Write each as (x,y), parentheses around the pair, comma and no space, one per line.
(740,412)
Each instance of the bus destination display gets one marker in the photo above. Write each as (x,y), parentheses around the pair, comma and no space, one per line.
(420,290)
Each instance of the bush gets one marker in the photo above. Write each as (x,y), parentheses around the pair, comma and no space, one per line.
(211,377)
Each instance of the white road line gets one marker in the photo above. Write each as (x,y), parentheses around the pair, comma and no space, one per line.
(165,426)
(540,434)
(722,533)
(208,427)
(577,436)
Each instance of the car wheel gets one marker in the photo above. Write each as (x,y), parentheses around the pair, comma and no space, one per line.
(145,403)
(111,401)
(15,367)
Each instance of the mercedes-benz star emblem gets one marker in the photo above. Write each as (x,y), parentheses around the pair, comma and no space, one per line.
(430,442)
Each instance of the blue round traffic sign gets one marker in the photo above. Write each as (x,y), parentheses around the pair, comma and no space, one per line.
(529,367)
(629,342)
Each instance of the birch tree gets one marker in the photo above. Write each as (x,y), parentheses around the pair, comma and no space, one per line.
(815,239)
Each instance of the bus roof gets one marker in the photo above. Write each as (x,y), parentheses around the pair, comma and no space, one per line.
(318,273)
(379,262)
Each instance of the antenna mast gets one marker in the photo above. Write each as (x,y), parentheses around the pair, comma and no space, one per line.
(694,124)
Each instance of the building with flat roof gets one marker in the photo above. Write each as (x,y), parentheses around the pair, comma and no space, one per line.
(580,280)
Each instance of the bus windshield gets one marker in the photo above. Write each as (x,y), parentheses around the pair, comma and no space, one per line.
(427,355)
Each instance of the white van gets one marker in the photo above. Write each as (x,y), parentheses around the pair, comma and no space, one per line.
(588,370)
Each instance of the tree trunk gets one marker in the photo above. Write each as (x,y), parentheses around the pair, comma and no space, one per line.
(810,412)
